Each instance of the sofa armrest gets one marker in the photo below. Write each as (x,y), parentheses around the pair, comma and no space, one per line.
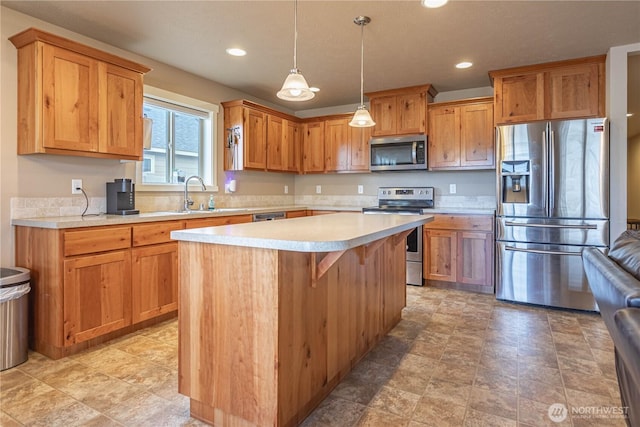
(612,287)
(627,321)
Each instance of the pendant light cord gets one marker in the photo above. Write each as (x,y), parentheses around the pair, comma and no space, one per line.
(295,35)
(361,64)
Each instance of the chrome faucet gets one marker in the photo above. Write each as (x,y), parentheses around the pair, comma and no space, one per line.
(188,202)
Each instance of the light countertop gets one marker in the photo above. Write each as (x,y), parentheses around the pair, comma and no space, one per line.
(324,233)
(62,222)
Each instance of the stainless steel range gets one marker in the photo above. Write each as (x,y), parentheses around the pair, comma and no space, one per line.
(406,201)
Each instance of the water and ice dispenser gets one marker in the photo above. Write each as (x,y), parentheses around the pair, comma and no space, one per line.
(515,175)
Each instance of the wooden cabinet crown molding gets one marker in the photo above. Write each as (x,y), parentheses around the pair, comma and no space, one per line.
(428,89)
(467,101)
(545,66)
(31,35)
(261,108)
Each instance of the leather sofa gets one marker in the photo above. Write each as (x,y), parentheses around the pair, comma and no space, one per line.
(615,283)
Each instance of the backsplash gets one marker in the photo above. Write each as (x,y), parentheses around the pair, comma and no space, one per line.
(35,207)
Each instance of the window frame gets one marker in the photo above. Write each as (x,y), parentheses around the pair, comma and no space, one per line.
(210,170)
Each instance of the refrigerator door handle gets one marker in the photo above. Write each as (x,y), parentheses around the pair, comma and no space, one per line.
(552,172)
(545,174)
(540,251)
(577,226)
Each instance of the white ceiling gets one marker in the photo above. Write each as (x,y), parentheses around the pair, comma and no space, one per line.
(405,44)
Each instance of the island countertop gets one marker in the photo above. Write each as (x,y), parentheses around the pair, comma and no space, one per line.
(325,233)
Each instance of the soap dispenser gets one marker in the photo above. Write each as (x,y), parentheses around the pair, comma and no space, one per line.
(212,204)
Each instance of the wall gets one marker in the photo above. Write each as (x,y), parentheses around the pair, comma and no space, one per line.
(633,182)
(617,114)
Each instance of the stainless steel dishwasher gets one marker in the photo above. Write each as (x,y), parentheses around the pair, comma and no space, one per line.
(268,216)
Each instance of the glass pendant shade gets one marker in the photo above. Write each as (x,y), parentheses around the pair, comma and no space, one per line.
(362,118)
(295,88)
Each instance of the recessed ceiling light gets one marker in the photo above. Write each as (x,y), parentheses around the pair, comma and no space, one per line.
(314,89)
(464,64)
(629,114)
(236,51)
(434,3)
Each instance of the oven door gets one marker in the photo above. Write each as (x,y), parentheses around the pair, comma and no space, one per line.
(414,257)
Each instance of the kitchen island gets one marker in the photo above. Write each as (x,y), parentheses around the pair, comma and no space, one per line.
(273,315)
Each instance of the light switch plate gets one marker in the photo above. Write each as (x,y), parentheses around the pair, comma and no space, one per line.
(318,189)
(360,189)
(452,189)
(286,189)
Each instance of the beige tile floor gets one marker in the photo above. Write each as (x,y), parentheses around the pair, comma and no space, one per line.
(456,359)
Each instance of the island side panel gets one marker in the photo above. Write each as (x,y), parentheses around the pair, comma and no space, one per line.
(228,333)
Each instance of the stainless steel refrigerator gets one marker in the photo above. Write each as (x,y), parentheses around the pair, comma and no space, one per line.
(553,200)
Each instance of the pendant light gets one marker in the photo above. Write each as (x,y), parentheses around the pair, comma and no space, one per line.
(295,87)
(362,118)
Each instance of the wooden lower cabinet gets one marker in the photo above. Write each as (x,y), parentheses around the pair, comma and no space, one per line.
(458,252)
(296,214)
(154,284)
(97,295)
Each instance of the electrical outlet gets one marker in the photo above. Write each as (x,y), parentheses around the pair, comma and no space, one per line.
(76,185)
(286,189)
(318,189)
(452,189)
(360,189)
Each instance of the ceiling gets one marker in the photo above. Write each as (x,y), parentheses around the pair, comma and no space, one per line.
(405,44)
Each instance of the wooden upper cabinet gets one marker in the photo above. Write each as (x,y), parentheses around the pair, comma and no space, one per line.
(336,133)
(283,145)
(313,147)
(259,138)
(556,90)
(275,139)
(359,149)
(401,111)
(346,147)
(461,135)
(573,91)
(77,100)
(292,147)
(255,139)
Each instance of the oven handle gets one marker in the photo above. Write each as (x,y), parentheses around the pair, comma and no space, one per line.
(577,227)
(541,251)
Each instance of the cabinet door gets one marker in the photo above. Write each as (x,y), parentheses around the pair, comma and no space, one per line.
(255,139)
(359,151)
(275,143)
(440,255)
(292,147)
(70,104)
(384,113)
(477,136)
(411,111)
(313,147)
(444,137)
(572,92)
(97,295)
(337,145)
(218,220)
(519,98)
(120,116)
(475,258)
(154,285)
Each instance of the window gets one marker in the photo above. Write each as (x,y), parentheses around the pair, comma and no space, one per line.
(181,141)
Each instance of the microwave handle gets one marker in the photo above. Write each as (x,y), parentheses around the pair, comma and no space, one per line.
(414,152)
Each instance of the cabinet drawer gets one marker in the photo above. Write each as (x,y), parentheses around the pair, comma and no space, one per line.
(220,220)
(157,232)
(96,240)
(461,222)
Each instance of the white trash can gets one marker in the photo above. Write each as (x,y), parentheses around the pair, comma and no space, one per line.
(14,311)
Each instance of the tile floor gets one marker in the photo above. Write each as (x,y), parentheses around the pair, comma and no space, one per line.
(456,359)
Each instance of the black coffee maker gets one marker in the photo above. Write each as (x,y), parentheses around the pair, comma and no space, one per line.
(121,198)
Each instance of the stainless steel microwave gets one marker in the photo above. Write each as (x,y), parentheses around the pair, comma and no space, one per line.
(406,152)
